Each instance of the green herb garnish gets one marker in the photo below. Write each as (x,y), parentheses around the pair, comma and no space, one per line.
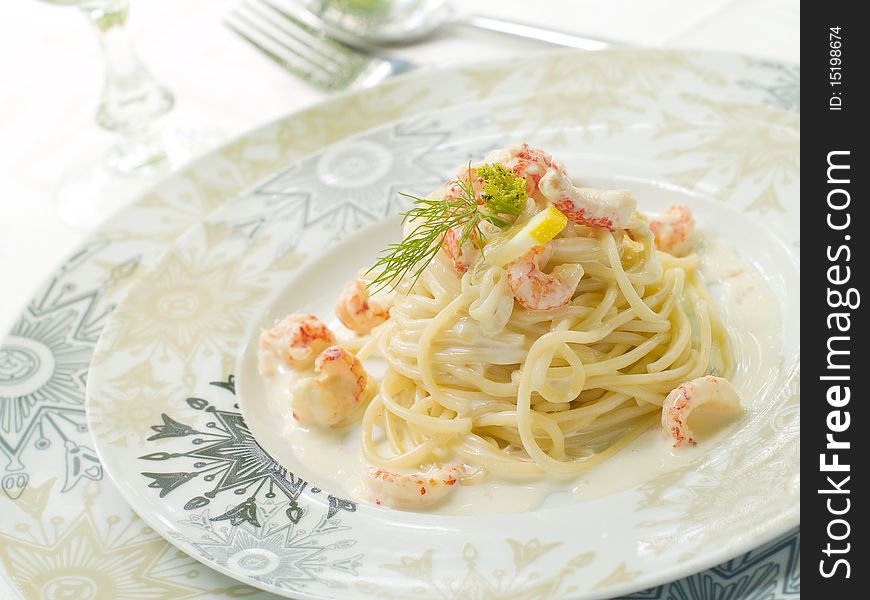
(503,196)
(503,192)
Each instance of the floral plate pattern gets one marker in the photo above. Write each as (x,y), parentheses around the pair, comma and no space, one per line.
(66,532)
(184,324)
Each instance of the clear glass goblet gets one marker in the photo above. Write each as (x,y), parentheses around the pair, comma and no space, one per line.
(131,105)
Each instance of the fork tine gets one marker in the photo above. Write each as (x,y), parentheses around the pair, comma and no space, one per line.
(284,57)
(268,31)
(335,46)
(299,34)
(306,51)
(274,56)
(302,51)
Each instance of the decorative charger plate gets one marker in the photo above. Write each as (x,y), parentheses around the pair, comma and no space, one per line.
(66,532)
(199,474)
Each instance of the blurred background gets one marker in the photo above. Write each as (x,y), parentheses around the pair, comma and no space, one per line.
(210,85)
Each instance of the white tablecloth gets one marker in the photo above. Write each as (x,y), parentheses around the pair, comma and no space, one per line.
(50,79)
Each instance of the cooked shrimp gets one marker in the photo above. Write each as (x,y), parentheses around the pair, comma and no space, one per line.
(359,311)
(674,230)
(457,188)
(415,491)
(605,209)
(537,290)
(334,392)
(463,256)
(293,342)
(529,163)
(710,393)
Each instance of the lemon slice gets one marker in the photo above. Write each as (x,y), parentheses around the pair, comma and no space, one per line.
(540,229)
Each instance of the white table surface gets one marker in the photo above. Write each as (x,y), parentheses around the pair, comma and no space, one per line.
(50,79)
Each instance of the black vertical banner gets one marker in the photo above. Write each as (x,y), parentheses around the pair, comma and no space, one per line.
(835,432)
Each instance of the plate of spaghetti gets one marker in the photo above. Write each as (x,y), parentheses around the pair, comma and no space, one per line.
(458,344)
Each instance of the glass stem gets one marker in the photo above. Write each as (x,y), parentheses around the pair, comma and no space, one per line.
(132,98)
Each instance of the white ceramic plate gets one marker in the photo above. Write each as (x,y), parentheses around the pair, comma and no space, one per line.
(54,505)
(197,475)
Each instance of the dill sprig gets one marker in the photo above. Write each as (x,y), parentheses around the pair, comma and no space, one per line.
(503,195)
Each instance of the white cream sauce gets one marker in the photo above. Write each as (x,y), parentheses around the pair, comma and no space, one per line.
(332,459)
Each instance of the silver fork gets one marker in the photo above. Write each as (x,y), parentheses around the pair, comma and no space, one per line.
(306,51)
